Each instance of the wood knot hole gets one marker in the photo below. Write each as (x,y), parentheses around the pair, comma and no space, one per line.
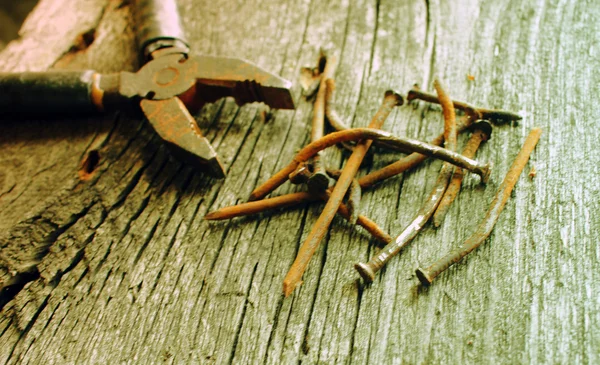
(89,164)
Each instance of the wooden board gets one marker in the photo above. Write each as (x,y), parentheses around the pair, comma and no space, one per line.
(122,268)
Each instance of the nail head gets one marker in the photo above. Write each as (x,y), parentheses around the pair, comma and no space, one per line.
(399,98)
(365,272)
(411,96)
(485,126)
(424,277)
(300,175)
(487,170)
(318,182)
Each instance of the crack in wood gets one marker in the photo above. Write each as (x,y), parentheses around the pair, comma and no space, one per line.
(186,315)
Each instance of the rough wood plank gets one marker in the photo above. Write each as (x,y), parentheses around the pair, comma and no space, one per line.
(122,268)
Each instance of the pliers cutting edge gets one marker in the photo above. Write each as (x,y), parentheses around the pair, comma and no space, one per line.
(170,82)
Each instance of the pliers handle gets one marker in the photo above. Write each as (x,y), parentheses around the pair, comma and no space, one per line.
(164,88)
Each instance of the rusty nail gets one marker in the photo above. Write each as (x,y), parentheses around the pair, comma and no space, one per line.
(474,112)
(450,130)
(260,206)
(354,198)
(368,270)
(426,276)
(335,120)
(288,200)
(355,134)
(482,131)
(369,225)
(407,162)
(354,195)
(483,170)
(334,173)
(318,181)
(308,248)
(332,116)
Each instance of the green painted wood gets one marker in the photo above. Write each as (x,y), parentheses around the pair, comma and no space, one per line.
(123,269)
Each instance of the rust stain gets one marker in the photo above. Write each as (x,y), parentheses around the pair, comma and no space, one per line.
(532,172)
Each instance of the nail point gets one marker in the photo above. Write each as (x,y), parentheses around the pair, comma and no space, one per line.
(365,272)
(210,216)
(288,288)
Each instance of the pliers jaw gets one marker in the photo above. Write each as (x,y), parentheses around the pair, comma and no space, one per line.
(172,82)
(174,124)
(244,81)
(174,74)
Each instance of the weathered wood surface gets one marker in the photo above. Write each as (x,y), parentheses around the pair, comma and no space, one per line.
(123,269)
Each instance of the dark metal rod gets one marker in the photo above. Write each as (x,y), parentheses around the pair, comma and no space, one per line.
(484,229)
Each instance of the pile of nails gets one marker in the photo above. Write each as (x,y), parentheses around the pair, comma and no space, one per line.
(308,168)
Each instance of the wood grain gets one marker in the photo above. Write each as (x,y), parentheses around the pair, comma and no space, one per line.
(123,269)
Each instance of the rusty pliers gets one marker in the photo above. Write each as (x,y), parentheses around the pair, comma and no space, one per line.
(170,82)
